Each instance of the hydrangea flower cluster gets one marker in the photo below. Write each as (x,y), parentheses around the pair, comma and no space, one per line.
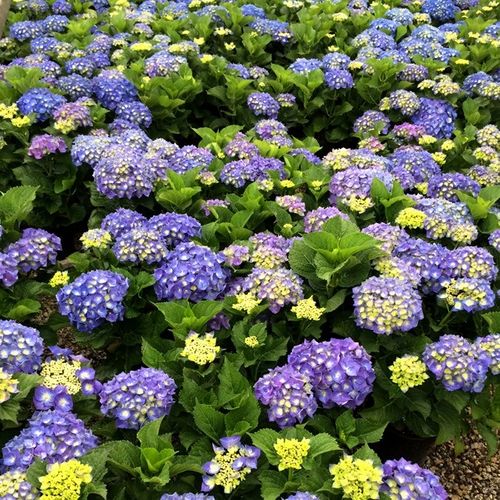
(408,372)
(14,485)
(65,480)
(457,363)
(92,299)
(137,397)
(230,466)
(359,479)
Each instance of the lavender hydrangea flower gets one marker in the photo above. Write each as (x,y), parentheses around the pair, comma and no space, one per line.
(436,116)
(21,348)
(93,298)
(75,86)
(8,270)
(273,131)
(340,371)
(458,364)
(241,148)
(111,88)
(238,173)
(175,228)
(387,305)
(337,79)
(262,103)
(494,240)
(189,157)
(140,245)
(314,220)
(137,397)
(279,286)
(440,10)
(42,145)
(403,479)
(40,101)
(121,221)
(125,175)
(474,262)
(134,112)
(468,294)
(191,272)
(444,186)
(288,395)
(302,495)
(52,436)
(491,346)
(35,249)
(89,149)
(371,121)
(390,236)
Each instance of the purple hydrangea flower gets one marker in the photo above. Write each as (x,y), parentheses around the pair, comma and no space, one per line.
(403,479)
(140,245)
(75,86)
(112,88)
(8,270)
(494,240)
(337,79)
(137,397)
(93,298)
(468,294)
(189,157)
(288,395)
(444,186)
(35,249)
(21,348)
(74,113)
(314,220)
(273,131)
(458,364)
(387,305)
(52,436)
(436,116)
(186,496)
(191,272)
(135,112)
(474,262)
(413,73)
(340,371)
(241,147)
(163,64)
(302,495)
(42,145)
(121,221)
(89,149)
(390,236)
(40,101)
(372,121)
(175,228)
(238,173)
(491,346)
(262,103)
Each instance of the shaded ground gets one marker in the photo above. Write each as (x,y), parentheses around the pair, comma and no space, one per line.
(470,475)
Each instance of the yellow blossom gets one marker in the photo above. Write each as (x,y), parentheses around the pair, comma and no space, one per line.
(448,145)
(358,479)
(359,204)
(408,372)
(252,341)
(229,46)
(340,17)
(95,238)
(141,46)
(307,309)
(355,65)
(246,302)
(422,187)
(439,157)
(199,41)
(316,184)
(292,452)
(206,58)
(8,112)
(462,62)
(287,183)
(426,140)
(200,349)
(64,480)
(60,278)
(21,121)
(411,217)
(61,372)
(8,386)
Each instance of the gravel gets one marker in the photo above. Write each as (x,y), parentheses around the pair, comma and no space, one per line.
(472,475)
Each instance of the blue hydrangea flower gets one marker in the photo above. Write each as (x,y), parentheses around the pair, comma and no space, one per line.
(93,298)
(474,262)
(436,116)
(302,495)
(137,397)
(75,86)
(191,272)
(112,88)
(491,346)
(189,157)
(274,132)
(403,479)
(387,305)
(186,496)
(237,173)
(140,245)
(35,249)
(444,186)
(21,348)
(494,240)
(458,364)
(288,395)
(467,294)
(175,228)
(40,101)
(316,219)
(390,236)
(337,79)
(134,112)
(370,122)
(262,103)
(339,370)
(52,436)
(8,270)
(440,10)
(121,221)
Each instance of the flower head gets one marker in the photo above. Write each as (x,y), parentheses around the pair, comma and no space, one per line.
(408,372)
(95,238)
(292,452)
(358,479)
(307,309)
(60,278)
(63,481)
(8,386)
(15,486)
(200,349)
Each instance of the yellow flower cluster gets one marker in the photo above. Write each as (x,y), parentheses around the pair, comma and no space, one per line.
(61,372)
(60,278)
(358,204)
(65,126)
(8,386)
(287,183)
(10,484)
(307,309)
(439,157)
(95,238)
(206,58)
(8,112)
(252,341)
(227,476)
(447,145)
(64,480)
(359,479)
(200,349)
(411,217)
(408,372)
(21,121)
(141,47)
(426,140)
(246,302)
(291,452)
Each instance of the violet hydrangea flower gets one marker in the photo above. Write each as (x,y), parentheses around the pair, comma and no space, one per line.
(42,145)
(8,270)
(387,305)
(21,348)
(314,220)
(457,363)
(262,103)
(175,228)
(52,436)
(403,479)
(340,371)
(436,116)
(288,394)
(93,298)
(121,221)
(140,245)
(137,397)
(191,272)
(40,101)
(491,346)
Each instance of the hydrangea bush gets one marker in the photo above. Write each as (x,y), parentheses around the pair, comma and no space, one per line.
(243,243)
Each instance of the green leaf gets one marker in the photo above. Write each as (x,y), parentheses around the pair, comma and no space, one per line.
(23,308)
(493,320)
(490,438)
(148,434)
(124,455)
(9,411)
(264,439)
(16,204)
(35,471)
(209,421)
(273,484)
(233,385)
(319,445)
(151,357)
(96,458)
